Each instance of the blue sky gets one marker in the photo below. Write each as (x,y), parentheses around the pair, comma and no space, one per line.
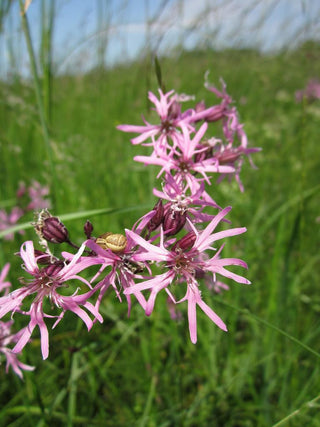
(120,26)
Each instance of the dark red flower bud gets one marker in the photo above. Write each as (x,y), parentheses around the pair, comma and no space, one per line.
(173,222)
(185,243)
(156,220)
(42,257)
(199,274)
(53,269)
(174,110)
(228,156)
(88,229)
(50,228)
(216,113)
(54,231)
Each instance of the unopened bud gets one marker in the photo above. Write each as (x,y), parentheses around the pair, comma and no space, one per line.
(174,110)
(173,222)
(228,156)
(215,113)
(42,257)
(185,243)
(54,231)
(88,229)
(157,218)
(50,228)
(53,269)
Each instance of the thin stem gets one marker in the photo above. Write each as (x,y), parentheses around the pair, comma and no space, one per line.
(270,325)
(307,405)
(44,126)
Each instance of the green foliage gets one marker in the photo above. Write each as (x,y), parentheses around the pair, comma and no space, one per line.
(144,371)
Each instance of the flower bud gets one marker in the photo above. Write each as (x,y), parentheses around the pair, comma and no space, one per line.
(42,257)
(185,243)
(216,113)
(228,156)
(173,222)
(53,269)
(54,231)
(50,228)
(174,110)
(157,218)
(88,229)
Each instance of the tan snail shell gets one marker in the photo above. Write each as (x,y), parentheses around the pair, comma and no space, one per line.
(115,242)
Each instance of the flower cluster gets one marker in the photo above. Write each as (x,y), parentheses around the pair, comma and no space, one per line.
(171,249)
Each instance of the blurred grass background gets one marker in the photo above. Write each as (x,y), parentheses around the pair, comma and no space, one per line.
(144,371)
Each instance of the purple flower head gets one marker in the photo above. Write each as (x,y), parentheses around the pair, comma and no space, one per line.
(182,266)
(47,283)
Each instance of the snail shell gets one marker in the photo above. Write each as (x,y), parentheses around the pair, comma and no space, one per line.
(115,242)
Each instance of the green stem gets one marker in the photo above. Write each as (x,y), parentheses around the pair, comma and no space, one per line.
(270,325)
(307,405)
(45,131)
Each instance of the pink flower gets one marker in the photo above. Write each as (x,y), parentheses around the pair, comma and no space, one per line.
(9,220)
(185,199)
(171,119)
(7,338)
(125,269)
(311,92)
(37,194)
(234,157)
(182,264)
(6,335)
(185,163)
(4,285)
(46,283)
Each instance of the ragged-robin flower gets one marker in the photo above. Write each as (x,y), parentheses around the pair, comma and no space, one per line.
(185,199)
(182,264)
(125,268)
(171,118)
(46,283)
(184,164)
(8,338)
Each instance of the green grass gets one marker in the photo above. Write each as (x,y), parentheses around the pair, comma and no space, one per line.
(144,371)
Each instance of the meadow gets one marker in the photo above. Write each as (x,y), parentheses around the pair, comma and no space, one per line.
(144,371)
